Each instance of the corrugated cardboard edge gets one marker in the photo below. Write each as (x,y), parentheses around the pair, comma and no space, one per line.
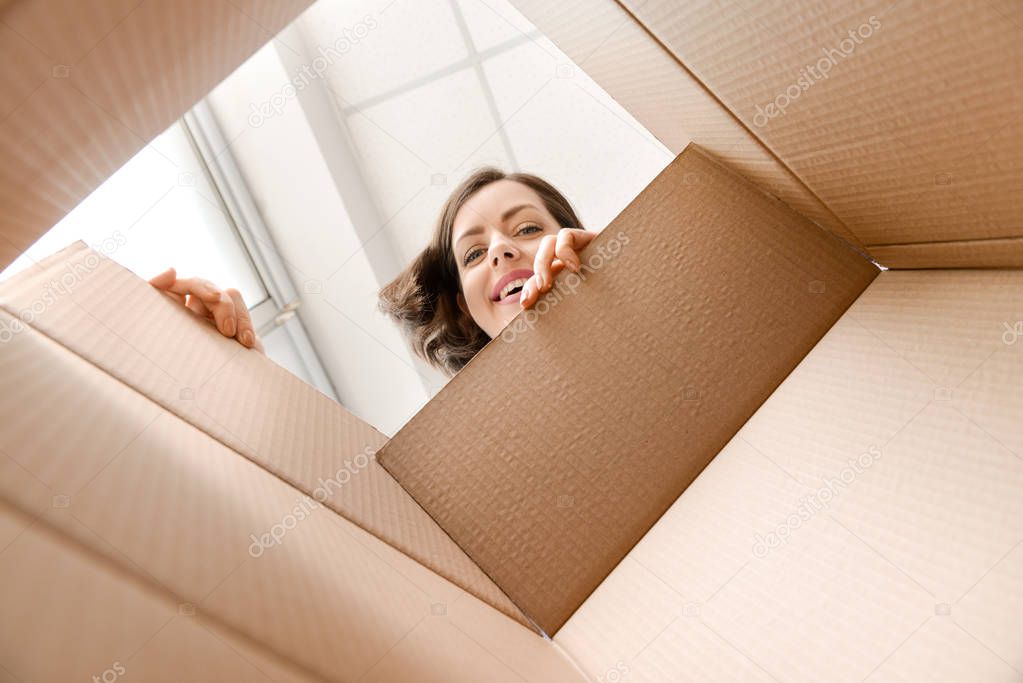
(906,176)
(994,253)
(335,601)
(369,497)
(627,48)
(411,444)
(621,54)
(78,120)
(789,555)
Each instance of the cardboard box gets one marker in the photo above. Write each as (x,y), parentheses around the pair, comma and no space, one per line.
(157,474)
(895,125)
(739,450)
(691,307)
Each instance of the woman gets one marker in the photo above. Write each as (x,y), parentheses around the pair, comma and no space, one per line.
(499,241)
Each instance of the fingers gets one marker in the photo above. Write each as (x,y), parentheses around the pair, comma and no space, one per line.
(246,333)
(531,291)
(569,243)
(204,289)
(545,267)
(224,314)
(227,309)
(542,262)
(554,253)
(164,279)
(195,304)
(529,294)
(231,317)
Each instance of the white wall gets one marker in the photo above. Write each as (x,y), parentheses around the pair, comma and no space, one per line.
(366,357)
(351,168)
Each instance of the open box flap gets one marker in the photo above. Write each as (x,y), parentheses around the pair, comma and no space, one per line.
(235,395)
(865,524)
(550,454)
(128,538)
(89,83)
(620,55)
(912,137)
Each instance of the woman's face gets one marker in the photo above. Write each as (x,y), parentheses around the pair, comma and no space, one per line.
(495,236)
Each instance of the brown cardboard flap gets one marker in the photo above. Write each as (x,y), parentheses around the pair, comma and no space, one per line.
(127,536)
(88,83)
(618,53)
(905,118)
(98,619)
(866,524)
(558,446)
(113,319)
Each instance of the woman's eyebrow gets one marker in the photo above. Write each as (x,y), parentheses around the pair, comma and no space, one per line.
(477,229)
(515,209)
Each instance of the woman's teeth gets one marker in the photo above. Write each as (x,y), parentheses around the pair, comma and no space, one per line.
(511,287)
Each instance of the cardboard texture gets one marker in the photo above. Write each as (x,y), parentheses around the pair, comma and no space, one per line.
(617,52)
(848,442)
(700,297)
(88,83)
(993,253)
(913,135)
(907,569)
(111,490)
(254,407)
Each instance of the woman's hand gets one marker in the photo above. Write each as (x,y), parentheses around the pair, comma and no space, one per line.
(555,253)
(225,308)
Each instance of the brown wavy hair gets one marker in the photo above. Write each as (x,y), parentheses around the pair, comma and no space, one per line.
(423,299)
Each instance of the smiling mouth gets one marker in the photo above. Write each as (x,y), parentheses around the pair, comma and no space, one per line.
(512,289)
(509,288)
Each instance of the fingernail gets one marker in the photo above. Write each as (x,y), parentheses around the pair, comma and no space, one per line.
(229,327)
(247,338)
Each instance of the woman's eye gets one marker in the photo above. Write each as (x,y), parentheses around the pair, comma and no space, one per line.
(471,256)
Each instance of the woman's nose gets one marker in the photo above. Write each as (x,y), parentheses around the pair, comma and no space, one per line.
(502,251)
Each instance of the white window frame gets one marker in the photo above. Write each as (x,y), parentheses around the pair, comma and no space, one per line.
(280,308)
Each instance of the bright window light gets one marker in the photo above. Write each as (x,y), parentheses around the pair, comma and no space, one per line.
(158,210)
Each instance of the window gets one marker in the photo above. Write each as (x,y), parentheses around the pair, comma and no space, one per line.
(165,208)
